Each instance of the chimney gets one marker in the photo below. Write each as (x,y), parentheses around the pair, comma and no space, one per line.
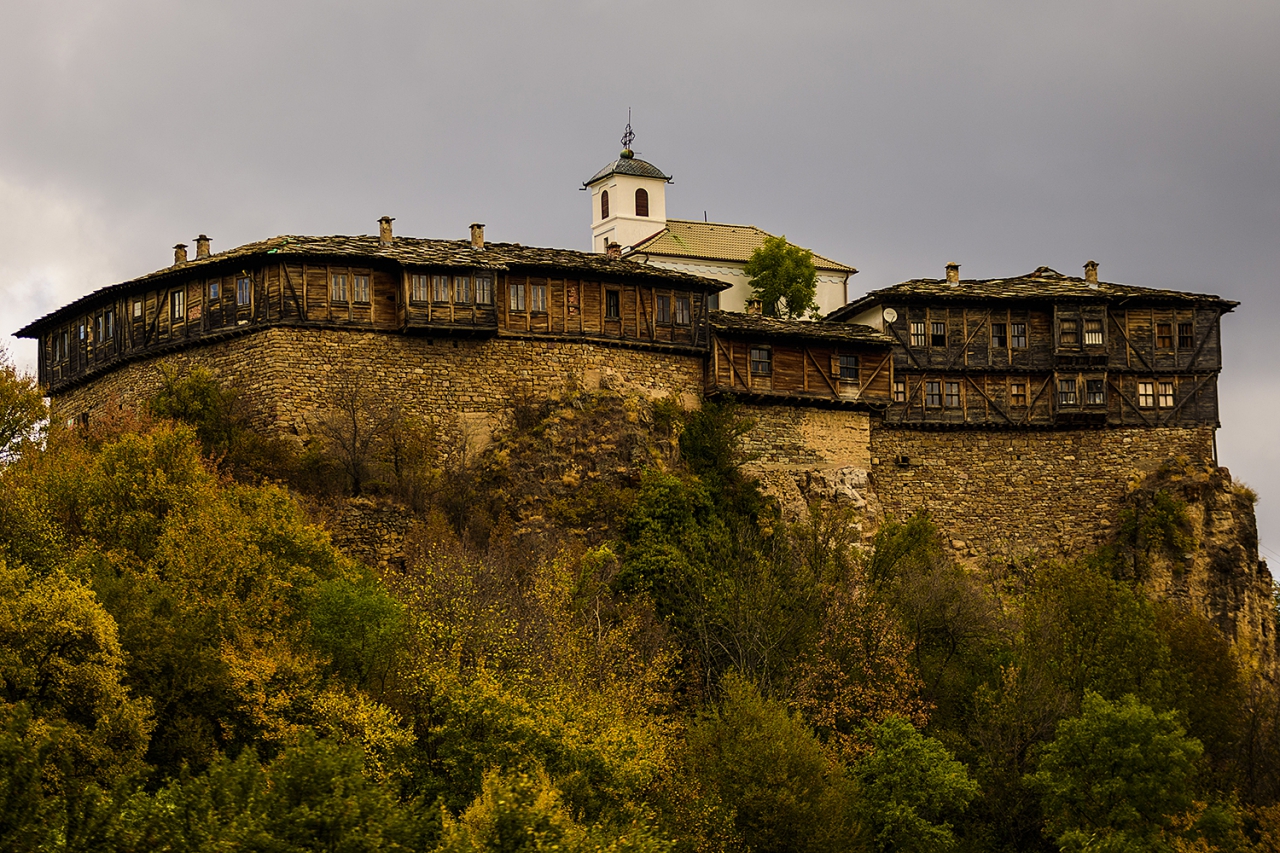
(384,231)
(477,235)
(179,254)
(1091,273)
(754,306)
(202,247)
(953,273)
(613,249)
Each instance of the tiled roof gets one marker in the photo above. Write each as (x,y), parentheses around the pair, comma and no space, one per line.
(757,325)
(716,241)
(628,166)
(1043,284)
(407,251)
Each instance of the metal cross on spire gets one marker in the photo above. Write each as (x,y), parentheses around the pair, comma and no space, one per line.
(628,136)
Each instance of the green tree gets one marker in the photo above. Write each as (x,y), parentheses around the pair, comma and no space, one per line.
(1115,777)
(22,409)
(911,788)
(771,774)
(783,278)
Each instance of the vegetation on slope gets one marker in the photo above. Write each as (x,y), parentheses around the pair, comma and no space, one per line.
(603,638)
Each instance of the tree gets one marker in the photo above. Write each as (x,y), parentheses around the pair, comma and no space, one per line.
(783,275)
(22,409)
(911,785)
(1115,777)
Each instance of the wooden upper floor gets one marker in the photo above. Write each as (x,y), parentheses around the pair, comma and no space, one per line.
(400,285)
(1047,349)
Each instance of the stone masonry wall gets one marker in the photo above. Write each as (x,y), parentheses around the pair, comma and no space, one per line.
(288,375)
(1006,493)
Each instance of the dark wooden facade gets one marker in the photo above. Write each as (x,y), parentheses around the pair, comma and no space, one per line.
(414,287)
(763,358)
(1048,350)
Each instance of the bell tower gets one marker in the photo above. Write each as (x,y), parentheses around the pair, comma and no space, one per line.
(628,199)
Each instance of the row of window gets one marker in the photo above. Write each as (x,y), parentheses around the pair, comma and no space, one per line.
(459,289)
(1014,335)
(843,367)
(642,203)
(946,394)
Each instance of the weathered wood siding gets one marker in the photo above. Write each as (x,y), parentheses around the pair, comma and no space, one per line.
(799,369)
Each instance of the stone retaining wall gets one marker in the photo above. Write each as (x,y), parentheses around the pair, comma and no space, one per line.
(997,493)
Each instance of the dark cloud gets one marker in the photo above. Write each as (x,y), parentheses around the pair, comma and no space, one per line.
(895,136)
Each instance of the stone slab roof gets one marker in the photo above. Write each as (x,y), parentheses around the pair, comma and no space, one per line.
(733,324)
(406,251)
(626,165)
(717,241)
(1041,285)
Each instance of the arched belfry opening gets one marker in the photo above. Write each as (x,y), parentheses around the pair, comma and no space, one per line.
(627,177)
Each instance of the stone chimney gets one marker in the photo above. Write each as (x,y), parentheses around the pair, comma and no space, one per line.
(953,273)
(613,249)
(202,247)
(755,306)
(1091,273)
(385,237)
(179,254)
(477,235)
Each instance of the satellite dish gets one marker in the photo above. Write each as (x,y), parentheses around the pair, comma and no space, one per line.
(890,315)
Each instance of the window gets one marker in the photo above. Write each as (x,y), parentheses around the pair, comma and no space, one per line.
(932,393)
(484,290)
(1186,336)
(604,204)
(516,302)
(761,361)
(1018,394)
(359,288)
(999,335)
(61,345)
(662,309)
(682,310)
(1067,393)
(82,332)
(243,290)
(178,305)
(1018,332)
(462,289)
(847,368)
(899,390)
(642,202)
(1068,333)
(917,333)
(937,334)
(338,287)
(953,395)
(418,288)
(612,304)
(713,302)
(1146,394)
(137,308)
(214,288)
(110,320)
(440,289)
(1164,336)
(1093,333)
(1095,392)
(98,337)
(1166,395)
(539,297)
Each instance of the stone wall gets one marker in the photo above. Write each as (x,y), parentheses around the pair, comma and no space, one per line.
(797,437)
(1006,493)
(289,374)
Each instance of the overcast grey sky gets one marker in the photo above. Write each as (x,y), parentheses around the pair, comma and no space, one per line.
(893,135)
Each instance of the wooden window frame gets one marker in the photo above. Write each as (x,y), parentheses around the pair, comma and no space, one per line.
(1165,394)
(933,393)
(682,311)
(1017,335)
(760,359)
(917,332)
(1000,335)
(137,309)
(440,288)
(1164,335)
(1069,333)
(847,367)
(244,291)
(1095,392)
(951,395)
(1186,335)
(1018,394)
(613,304)
(899,390)
(338,291)
(662,309)
(419,288)
(178,306)
(1068,391)
(515,296)
(1094,335)
(938,338)
(361,288)
(462,292)
(1146,394)
(538,298)
(484,289)
(215,290)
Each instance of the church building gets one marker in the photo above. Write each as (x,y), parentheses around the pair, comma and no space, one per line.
(629,208)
